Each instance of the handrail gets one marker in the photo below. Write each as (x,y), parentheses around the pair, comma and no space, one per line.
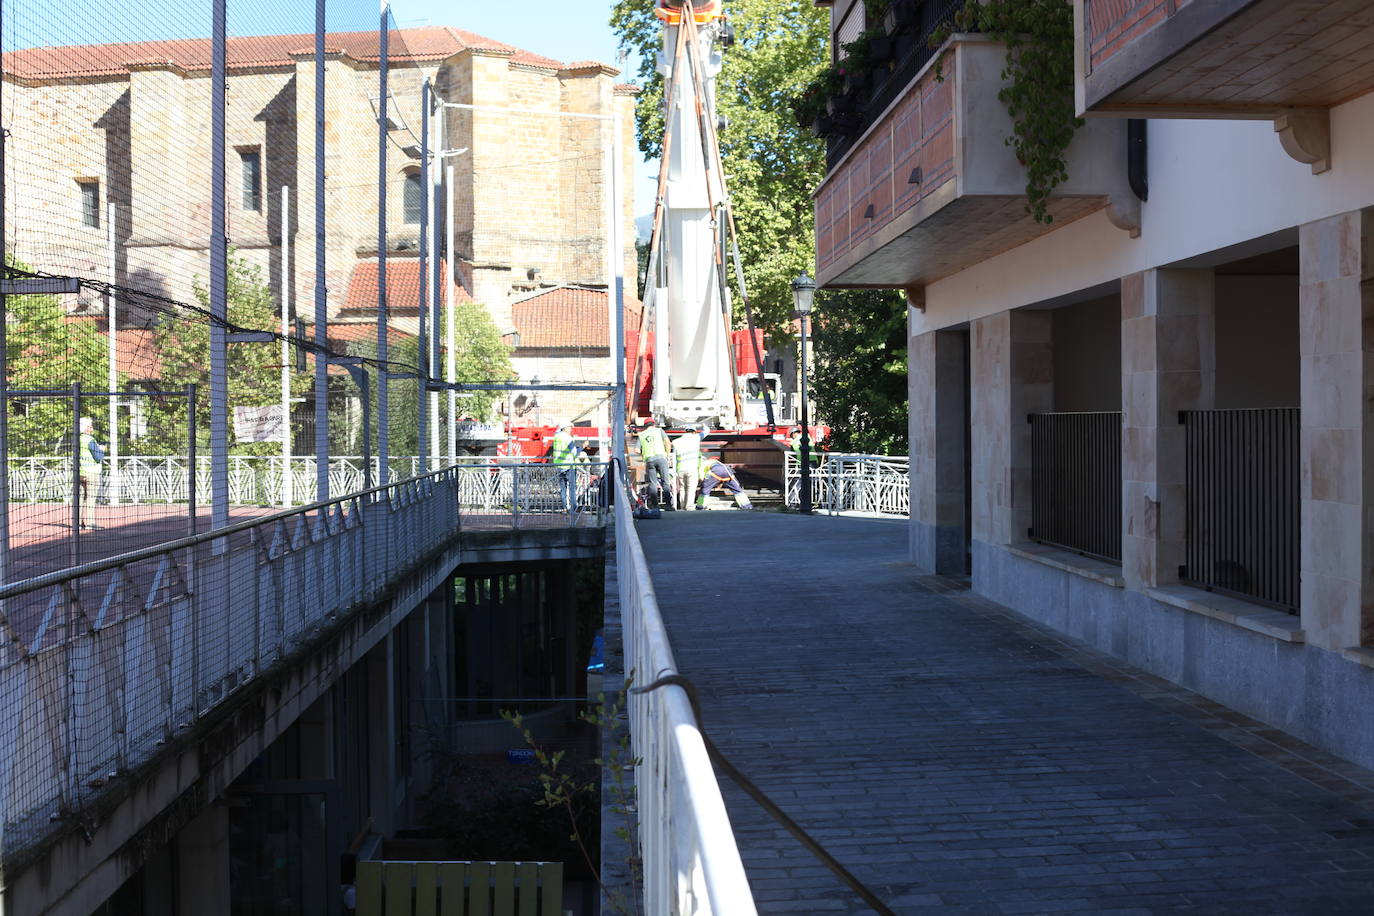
(696,843)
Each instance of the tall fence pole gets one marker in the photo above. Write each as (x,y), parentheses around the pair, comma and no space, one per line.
(321,291)
(436,275)
(219,279)
(112,373)
(4,352)
(426,214)
(286,494)
(615,285)
(383,414)
(451,360)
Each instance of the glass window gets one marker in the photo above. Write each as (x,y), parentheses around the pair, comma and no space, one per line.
(252,178)
(90,203)
(413,198)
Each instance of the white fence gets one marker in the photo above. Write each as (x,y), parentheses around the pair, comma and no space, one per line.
(691,862)
(522,491)
(857,484)
(103,663)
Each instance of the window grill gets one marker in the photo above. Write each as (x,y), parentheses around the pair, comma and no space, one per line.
(1076,482)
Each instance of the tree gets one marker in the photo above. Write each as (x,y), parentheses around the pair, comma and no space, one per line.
(771,164)
(48,350)
(860,379)
(482,357)
(182,347)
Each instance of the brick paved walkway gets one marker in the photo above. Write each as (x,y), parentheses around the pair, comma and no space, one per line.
(960,759)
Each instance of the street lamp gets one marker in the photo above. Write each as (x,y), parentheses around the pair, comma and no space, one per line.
(803,292)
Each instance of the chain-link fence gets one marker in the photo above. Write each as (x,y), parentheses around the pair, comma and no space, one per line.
(364,251)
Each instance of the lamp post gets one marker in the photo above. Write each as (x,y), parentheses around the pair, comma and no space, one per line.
(803,292)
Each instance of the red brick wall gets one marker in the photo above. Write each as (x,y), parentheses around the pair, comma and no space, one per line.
(918,132)
(1113,24)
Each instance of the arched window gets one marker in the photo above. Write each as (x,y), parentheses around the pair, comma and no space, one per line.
(413,198)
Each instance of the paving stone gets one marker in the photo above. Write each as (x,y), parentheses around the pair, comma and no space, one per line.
(959,758)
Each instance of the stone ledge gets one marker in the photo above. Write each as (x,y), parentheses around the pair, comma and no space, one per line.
(1255,617)
(1360,655)
(1101,571)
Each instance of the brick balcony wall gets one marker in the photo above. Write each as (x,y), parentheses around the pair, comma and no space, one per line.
(1112,24)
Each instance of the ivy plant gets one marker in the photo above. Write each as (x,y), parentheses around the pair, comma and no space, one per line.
(1038,35)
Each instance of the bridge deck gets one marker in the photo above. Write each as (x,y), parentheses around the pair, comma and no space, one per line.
(957,757)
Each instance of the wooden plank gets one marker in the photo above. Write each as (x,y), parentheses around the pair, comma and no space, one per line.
(551,879)
(426,889)
(479,899)
(398,901)
(527,877)
(503,875)
(452,878)
(369,888)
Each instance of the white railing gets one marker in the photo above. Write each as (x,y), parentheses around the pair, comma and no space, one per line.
(691,863)
(524,491)
(103,663)
(854,484)
(253,480)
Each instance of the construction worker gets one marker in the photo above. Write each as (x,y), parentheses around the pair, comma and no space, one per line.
(687,452)
(90,458)
(653,448)
(714,473)
(795,442)
(563,455)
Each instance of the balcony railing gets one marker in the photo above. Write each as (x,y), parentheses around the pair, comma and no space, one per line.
(854,484)
(1076,482)
(1243,516)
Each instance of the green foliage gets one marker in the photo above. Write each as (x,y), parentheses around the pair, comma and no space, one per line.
(46,351)
(771,163)
(482,357)
(181,346)
(1040,40)
(859,381)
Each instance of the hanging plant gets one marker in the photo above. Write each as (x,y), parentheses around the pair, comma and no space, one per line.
(1038,35)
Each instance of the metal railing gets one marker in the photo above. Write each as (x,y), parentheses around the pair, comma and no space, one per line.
(691,861)
(525,491)
(1243,503)
(856,484)
(1076,482)
(103,663)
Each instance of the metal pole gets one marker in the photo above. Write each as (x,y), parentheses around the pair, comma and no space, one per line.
(112,373)
(219,278)
(75,542)
(451,361)
(4,349)
(321,291)
(286,494)
(436,276)
(385,69)
(806,430)
(426,214)
(616,287)
(192,524)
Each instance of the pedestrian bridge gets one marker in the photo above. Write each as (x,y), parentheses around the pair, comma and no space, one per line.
(947,753)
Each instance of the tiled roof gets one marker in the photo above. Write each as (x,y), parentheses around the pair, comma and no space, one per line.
(430,43)
(402,287)
(567,316)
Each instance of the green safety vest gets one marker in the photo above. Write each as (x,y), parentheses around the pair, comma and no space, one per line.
(652,443)
(89,464)
(562,450)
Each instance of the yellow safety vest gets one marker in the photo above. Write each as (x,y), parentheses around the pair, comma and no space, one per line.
(652,443)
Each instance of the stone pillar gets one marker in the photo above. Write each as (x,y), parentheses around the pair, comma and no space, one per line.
(1167,365)
(1012,374)
(1336,310)
(202,862)
(937,393)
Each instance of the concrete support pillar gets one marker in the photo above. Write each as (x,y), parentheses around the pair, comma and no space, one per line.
(1336,311)
(202,861)
(1012,375)
(317,740)
(937,392)
(1167,365)
(381,719)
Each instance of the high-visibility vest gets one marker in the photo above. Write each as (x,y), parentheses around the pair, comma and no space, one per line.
(89,463)
(687,448)
(652,443)
(562,449)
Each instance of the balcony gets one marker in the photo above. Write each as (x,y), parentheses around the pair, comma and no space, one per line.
(931,186)
(1221,58)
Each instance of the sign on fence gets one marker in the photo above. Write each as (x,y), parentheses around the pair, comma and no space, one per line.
(259,424)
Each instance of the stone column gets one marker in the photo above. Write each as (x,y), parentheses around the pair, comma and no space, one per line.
(937,394)
(202,861)
(1167,365)
(1336,311)
(1012,374)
